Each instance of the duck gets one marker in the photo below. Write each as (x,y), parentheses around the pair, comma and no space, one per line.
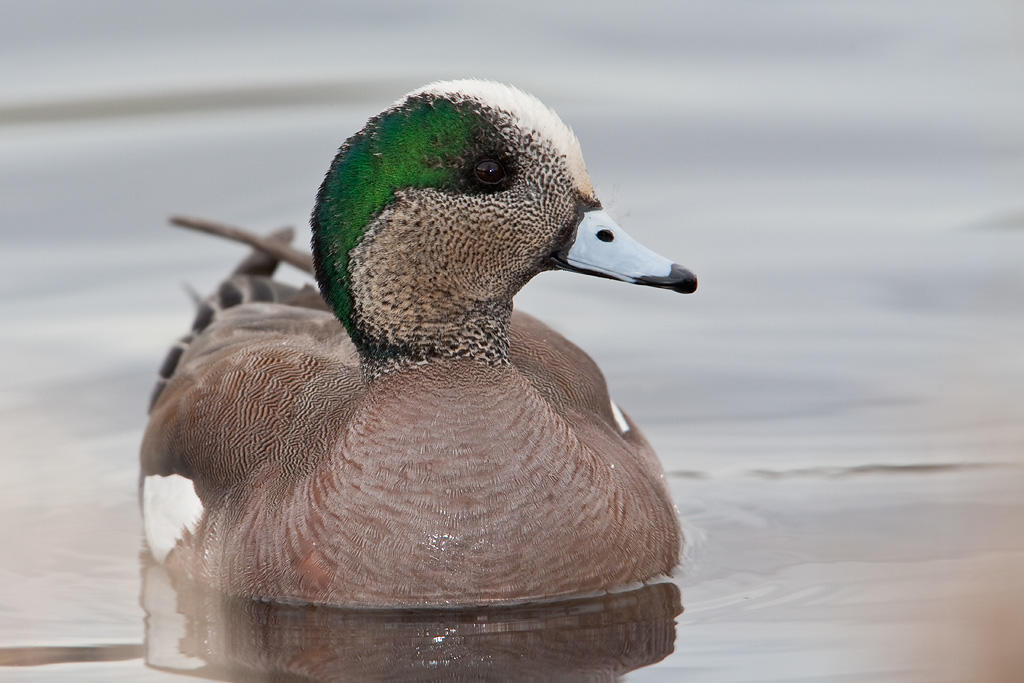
(401,436)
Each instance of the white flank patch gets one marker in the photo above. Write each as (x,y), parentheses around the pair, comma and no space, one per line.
(620,419)
(170,506)
(528,112)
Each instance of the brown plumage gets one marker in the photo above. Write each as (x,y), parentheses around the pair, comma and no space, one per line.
(479,463)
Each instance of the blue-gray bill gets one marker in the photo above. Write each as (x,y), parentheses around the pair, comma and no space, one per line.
(600,247)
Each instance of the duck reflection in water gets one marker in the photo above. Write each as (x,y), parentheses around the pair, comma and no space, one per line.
(203,633)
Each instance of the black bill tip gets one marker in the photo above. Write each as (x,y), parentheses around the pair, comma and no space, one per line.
(679,279)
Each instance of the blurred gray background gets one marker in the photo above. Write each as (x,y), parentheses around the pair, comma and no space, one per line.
(837,406)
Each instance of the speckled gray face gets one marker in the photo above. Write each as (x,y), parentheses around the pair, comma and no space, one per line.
(444,262)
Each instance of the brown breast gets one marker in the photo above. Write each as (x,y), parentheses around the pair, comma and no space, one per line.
(454,483)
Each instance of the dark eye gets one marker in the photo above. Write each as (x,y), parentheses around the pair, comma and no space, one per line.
(489,172)
(605,235)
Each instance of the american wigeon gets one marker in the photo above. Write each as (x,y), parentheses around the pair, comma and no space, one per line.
(435,447)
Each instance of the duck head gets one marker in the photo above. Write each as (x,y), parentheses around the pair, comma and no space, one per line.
(444,205)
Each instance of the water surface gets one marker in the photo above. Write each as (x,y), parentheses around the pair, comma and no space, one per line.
(838,407)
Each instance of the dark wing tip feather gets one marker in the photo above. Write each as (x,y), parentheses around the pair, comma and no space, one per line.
(249,282)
